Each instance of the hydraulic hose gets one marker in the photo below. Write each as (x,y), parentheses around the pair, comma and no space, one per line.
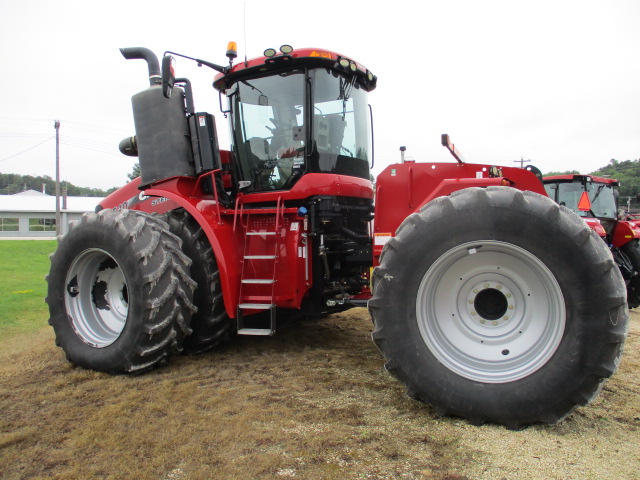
(356,237)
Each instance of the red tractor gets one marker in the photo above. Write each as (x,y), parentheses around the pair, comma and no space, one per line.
(595,199)
(488,300)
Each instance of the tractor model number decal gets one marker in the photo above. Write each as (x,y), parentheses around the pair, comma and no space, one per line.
(158,201)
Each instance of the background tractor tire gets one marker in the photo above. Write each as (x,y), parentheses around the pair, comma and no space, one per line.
(632,251)
(498,305)
(119,292)
(211,325)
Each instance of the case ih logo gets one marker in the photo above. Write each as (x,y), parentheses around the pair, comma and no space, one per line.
(133,201)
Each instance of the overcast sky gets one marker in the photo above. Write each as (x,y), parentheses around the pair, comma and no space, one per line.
(555,82)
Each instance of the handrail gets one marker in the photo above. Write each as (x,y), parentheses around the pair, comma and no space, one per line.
(198,183)
(239,205)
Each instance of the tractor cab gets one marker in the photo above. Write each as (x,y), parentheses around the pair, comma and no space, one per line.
(595,199)
(297,112)
(586,195)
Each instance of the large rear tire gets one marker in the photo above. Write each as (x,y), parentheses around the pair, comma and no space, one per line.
(211,325)
(119,292)
(500,306)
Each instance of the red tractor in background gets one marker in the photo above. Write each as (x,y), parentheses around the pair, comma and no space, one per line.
(595,199)
(488,300)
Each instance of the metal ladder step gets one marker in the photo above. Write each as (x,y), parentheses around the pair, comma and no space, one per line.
(261,233)
(255,306)
(258,281)
(259,257)
(266,332)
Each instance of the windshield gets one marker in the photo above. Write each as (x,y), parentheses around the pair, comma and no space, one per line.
(601,195)
(271,123)
(341,120)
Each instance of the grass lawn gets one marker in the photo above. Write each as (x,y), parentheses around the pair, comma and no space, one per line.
(23,265)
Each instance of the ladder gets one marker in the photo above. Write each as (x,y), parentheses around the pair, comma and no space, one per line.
(259,266)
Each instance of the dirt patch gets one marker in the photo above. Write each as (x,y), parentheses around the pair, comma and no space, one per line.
(313,402)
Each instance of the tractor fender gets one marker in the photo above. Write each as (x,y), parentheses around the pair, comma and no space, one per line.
(450,185)
(595,225)
(220,234)
(624,233)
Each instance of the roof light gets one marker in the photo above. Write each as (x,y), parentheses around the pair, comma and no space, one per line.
(270,52)
(286,49)
(232,50)
(584,205)
(353,66)
(321,53)
(344,62)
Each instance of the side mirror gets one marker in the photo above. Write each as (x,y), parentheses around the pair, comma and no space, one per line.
(168,75)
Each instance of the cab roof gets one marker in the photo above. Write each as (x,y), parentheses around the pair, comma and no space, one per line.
(579,178)
(288,58)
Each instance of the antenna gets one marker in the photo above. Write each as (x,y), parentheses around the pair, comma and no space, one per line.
(244,21)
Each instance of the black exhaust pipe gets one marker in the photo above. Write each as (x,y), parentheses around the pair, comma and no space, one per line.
(162,140)
(131,53)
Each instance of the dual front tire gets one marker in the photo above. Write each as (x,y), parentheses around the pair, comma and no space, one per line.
(119,292)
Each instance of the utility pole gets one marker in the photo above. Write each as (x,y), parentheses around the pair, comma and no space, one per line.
(522,161)
(57,126)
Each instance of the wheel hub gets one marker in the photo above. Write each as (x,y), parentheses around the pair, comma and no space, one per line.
(490,311)
(96,297)
(490,303)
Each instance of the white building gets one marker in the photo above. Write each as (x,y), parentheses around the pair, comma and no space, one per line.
(33,214)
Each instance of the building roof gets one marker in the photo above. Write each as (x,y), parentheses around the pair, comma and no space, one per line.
(31,193)
(34,201)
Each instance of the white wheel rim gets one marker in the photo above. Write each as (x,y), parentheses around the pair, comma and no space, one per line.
(96,297)
(490,311)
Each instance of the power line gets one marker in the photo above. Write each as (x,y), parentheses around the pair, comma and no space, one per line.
(26,150)
(22,135)
(102,129)
(93,149)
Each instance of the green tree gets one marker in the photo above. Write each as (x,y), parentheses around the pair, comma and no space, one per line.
(135,172)
(566,172)
(11,183)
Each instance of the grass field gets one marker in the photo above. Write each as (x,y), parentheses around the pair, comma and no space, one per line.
(313,402)
(23,265)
